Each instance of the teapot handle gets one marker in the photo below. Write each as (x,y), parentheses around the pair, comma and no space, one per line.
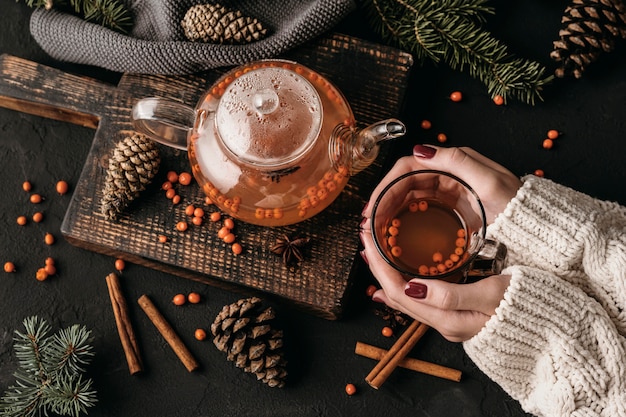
(163,121)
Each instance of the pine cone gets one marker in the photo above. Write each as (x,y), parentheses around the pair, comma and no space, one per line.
(590,28)
(133,164)
(248,339)
(216,24)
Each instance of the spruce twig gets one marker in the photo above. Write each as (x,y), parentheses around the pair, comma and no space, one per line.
(112,14)
(451,31)
(49,374)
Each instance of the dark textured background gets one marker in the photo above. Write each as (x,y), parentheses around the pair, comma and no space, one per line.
(590,112)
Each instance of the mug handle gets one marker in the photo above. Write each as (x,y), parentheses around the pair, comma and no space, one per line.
(489,261)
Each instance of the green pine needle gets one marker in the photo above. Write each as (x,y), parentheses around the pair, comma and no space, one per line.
(451,31)
(49,376)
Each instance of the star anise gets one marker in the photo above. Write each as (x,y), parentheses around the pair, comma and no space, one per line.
(290,249)
(394,318)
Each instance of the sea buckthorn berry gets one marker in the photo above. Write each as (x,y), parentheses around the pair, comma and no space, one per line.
(229,223)
(460,233)
(259,213)
(49,261)
(179,299)
(498,100)
(229,238)
(553,134)
(167,185)
(38,217)
(172,177)
(62,187)
(194,298)
(460,242)
(208,201)
(393,231)
(314,201)
(392,241)
(350,389)
(413,207)
(21,220)
(387,331)
(198,212)
(48,238)
(437,257)
(189,210)
(396,222)
(422,205)
(27,186)
(176,199)
(50,269)
(170,193)
(36,198)
(441,268)
(162,239)
(456,96)
(539,173)
(547,144)
(454,257)
(199,334)
(236,248)
(422,270)
(223,232)
(181,226)
(184,178)
(426,124)
(448,263)
(215,216)
(396,251)
(197,221)
(442,138)
(433,270)
(9,267)
(459,251)
(41,274)
(120,265)
(370,290)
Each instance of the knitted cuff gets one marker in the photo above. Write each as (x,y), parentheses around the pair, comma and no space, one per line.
(157,44)
(541,226)
(552,348)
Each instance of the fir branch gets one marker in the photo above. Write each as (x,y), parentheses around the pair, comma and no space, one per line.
(452,31)
(112,14)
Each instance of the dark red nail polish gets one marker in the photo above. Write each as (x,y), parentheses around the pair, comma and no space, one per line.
(423,151)
(416,290)
(364,257)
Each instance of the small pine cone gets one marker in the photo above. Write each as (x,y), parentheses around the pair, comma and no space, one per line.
(244,332)
(133,164)
(590,28)
(214,23)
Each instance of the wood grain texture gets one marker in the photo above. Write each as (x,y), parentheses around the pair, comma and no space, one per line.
(372,77)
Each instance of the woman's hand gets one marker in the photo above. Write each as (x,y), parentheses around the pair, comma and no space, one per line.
(457,311)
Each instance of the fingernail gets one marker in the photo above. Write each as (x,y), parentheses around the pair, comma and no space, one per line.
(364,257)
(416,290)
(363,223)
(364,209)
(361,234)
(422,151)
(377,299)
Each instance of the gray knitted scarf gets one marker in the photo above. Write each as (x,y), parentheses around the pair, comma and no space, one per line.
(157,44)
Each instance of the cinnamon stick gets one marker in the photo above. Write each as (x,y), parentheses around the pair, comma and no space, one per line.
(416,365)
(168,333)
(124,326)
(398,351)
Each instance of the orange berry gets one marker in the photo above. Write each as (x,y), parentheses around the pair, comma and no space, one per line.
(38,217)
(547,144)
(170,193)
(181,226)
(422,270)
(198,212)
(396,251)
(422,205)
(460,233)
(49,261)
(387,331)
(162,238)
(229,223)
(498,100)
(62,187)
(236,248)
(9,267)
(193,298)
(120,265)
(442,138)
(172,177)
(36,199)
(50,269)
(460,242)
(396,222)
(370,290)
(223,232)
(48,238)
(437,257)
(167,185)
(26,186)
(350,389)
(176,199)
(184,178)
(21,220)
(229,238)
(456,96)
(179,299)
(539,172)
(426,124)
(553,134)
(215,216)
(41,274)
(199,334)
(189,210)
(197,221)
(393,231)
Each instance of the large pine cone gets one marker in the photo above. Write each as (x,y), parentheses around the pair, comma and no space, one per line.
(133,164)
(590,28)
(214,23)
(246,335)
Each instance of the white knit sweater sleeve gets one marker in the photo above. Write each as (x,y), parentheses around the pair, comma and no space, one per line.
(557,341)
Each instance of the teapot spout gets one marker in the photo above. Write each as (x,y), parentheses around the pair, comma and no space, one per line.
(366,144)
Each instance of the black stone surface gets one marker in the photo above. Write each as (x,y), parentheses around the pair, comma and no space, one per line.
(590,112)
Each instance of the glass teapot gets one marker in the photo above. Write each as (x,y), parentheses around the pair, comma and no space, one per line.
(270,143)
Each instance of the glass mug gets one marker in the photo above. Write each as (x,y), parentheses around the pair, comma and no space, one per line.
(432,224)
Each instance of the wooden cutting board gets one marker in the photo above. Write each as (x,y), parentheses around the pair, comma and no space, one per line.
(372,77)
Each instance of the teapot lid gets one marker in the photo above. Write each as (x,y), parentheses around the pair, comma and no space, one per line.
(269,116)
